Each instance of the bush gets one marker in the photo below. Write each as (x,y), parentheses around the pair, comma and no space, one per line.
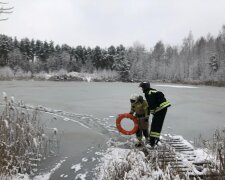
(6,73)
(23,142)
(216,148)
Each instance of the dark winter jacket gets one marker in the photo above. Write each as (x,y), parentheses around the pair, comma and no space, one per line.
(156,100)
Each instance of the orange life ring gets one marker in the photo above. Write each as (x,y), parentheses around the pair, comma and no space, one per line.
(130,116)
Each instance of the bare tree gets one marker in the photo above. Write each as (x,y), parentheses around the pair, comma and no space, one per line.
(5,10)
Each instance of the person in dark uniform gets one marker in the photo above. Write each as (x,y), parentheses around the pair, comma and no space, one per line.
(158,105)
(139,108)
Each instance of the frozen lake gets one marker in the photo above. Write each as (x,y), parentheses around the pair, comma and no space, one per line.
(195,110)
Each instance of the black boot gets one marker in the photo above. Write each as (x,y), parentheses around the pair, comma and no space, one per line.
(139,144)
(153,141)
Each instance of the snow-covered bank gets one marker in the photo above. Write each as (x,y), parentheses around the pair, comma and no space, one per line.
(98,75)
(121,162)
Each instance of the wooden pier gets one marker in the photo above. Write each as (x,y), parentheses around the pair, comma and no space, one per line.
(179,156)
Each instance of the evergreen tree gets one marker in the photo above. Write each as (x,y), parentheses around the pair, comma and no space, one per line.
(97,57)
(137,58)
(158,55)
(80,54)
(16,60)
(32,50)
(121,64)
(112,50)
(51,48)
(89,67)
(15,43)
(6,45)
(39,49)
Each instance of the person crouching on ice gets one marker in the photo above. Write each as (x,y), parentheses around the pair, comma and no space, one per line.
(139,108)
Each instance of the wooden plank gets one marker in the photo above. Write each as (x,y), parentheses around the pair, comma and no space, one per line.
(201,163)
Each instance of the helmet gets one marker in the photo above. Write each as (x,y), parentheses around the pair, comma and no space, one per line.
(134,98)
(144,85)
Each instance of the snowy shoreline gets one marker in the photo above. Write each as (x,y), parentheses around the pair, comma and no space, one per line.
(88,79)
(6,74)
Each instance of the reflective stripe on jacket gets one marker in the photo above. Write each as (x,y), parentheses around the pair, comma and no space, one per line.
(156,100)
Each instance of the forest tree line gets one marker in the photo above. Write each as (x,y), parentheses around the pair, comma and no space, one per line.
(201,60)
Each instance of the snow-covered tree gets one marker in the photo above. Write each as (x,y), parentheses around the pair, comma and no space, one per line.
(6,45)
(137,57)
(121,63)
(199,60)
(97,57)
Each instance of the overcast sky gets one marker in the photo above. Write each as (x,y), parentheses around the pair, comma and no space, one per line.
(113,22)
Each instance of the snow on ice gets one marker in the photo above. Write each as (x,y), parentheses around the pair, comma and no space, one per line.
(76,167)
